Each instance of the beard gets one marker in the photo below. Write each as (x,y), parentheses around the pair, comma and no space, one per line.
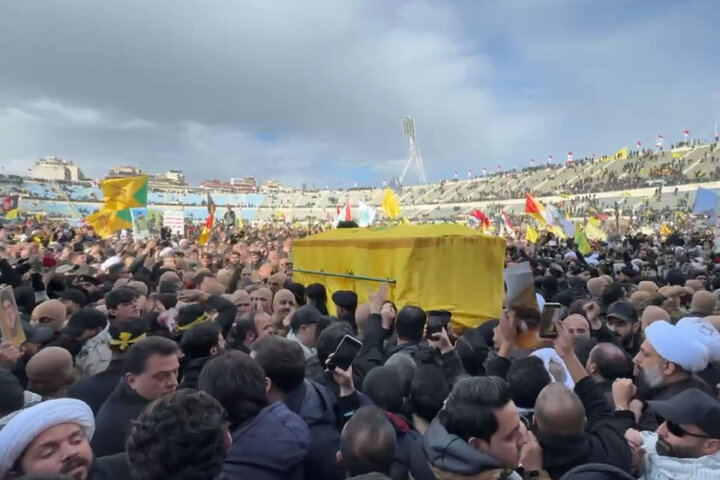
(74,462)
(665,449)
(649,379)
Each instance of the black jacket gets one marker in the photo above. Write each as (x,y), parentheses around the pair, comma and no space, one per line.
(113,467)
(406,438)
(648,419)
(113,421)
(191,372)
(96,389)
(315,404)
(249,456)
(602,442)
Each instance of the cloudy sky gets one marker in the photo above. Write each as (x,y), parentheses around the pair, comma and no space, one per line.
(314,90)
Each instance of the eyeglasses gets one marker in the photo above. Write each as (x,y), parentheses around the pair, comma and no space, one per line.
(677,430)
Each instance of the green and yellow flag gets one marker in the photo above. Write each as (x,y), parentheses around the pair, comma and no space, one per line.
(581,240)
(119,195)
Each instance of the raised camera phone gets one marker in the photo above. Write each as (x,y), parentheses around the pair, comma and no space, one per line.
(436,321)
(345,353)
(550,319)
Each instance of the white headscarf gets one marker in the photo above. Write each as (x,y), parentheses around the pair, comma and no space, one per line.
(549,354)
(22,429)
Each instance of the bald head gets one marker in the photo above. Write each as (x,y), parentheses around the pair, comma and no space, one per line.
(558,410)
(652,314)
(577,325)
(283,303)
(368,442)
(608,361)
(261,299)
(595,287)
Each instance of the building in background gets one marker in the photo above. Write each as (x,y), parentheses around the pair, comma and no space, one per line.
(59,169)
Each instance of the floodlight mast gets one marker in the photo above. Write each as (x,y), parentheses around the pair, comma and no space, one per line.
(414,157)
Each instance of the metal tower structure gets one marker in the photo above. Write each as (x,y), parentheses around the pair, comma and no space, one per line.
(414,157)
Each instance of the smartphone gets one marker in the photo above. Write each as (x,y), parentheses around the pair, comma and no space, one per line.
(550,319)
(345,353)
(436,321)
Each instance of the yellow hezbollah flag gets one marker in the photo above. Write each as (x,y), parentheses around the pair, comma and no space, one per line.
(665,230)
(677,155)
(363,255)
(390,205)
(593,232)
(531,235)
(621,154)
(105,222)
(126,192)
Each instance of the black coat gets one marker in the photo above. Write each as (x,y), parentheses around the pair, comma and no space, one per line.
(315,404)
(114,420)
(96,389)
(648,419)
(113,467)
(602,442)
(191,372)
(249,456)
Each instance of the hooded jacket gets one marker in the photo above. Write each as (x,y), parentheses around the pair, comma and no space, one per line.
(314,404)
(271,446)
(440,455)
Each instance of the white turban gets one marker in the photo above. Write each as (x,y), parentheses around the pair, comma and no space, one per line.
(22,429)
(549,354)
(110,262)
(702,331)
(676,345)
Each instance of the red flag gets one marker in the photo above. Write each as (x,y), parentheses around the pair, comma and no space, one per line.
(337,210)
(550,158)
(570,158)
(348,213)
(686,133)
(499,167)
(639,144)
(660,141)
(481,217)
(484,170)
(532,161)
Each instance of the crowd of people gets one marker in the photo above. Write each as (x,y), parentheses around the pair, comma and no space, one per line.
(164,359)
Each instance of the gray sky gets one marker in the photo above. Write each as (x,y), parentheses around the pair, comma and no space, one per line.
(300,90)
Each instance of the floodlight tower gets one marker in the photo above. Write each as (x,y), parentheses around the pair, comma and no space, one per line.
(414,157)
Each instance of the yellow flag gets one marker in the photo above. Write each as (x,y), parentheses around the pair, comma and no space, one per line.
(404,221)
(390,205)
(621,154)
(665,230)
(594,221)
(557,231)
(677,154)
(581,240)
(105,222)
(240,222)
(531,235)
(593,232)
(126,192)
